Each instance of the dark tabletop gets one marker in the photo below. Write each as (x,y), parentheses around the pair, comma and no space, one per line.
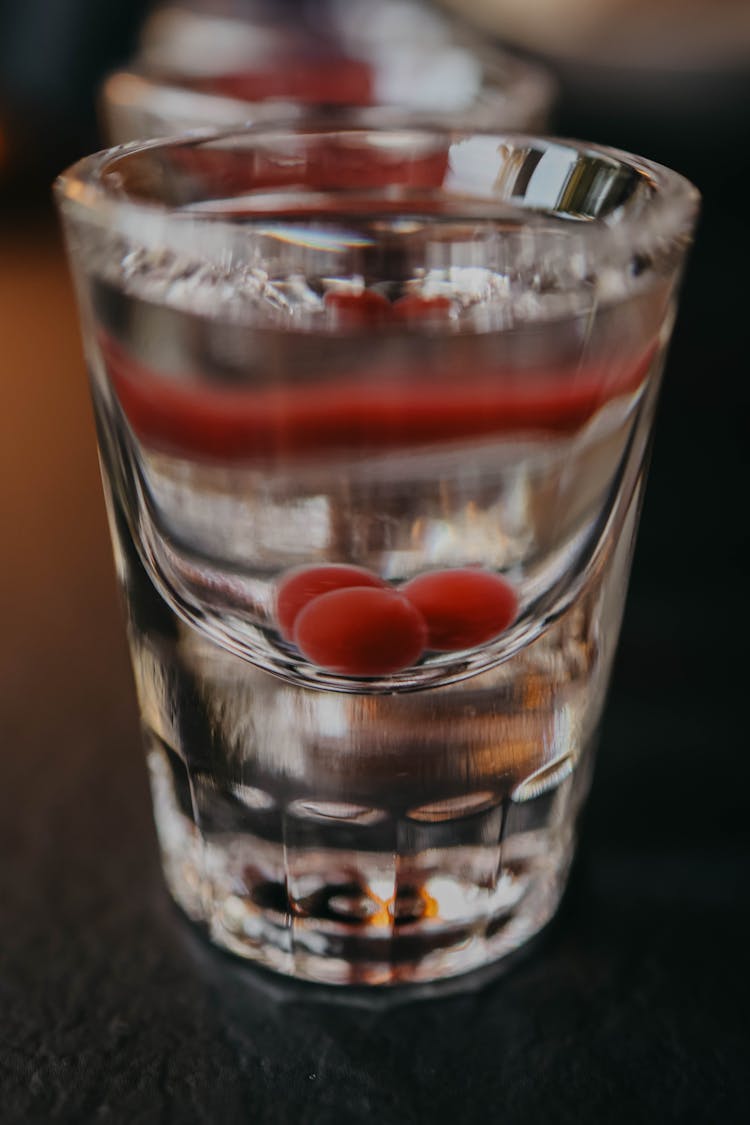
(633,1007)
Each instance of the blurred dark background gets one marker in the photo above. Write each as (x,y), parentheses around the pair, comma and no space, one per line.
(634,1008)
(53,56)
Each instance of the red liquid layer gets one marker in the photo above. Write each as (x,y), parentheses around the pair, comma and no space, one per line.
(377,411)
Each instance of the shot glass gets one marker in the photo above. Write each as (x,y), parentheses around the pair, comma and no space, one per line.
(373,409)
(263,63)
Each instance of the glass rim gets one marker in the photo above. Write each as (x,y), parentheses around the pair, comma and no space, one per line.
(664,222)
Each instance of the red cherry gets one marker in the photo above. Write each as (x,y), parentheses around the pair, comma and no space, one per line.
(366,307)
(361,632)
(300,586)
(416,307)
(462,607)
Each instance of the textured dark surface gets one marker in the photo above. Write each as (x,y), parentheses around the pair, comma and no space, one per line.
(634,1006)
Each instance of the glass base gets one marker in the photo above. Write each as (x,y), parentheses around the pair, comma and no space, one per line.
(351,916)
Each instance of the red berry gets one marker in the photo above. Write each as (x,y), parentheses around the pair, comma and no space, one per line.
(366,307)
(416,307)
(361,632)
(462,607)
(300,586)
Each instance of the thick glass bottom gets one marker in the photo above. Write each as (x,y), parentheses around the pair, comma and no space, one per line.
(481,885)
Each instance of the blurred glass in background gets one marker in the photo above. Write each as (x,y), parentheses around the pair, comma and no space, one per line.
(216,64)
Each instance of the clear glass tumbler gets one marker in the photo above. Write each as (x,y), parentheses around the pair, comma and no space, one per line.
(373,409)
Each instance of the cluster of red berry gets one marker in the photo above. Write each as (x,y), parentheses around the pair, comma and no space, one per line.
(348,620)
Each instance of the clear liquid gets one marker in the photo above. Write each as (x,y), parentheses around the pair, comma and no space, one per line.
(393,829)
